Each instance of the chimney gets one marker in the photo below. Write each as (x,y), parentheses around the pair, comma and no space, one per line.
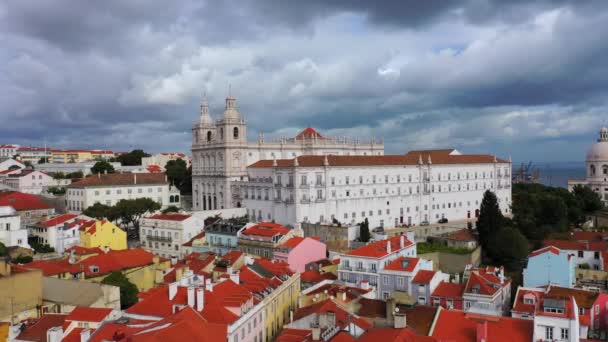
(135,178)
(54,334)
(365,284)
(173,260)
(402,241)
(290,316)
(208,285)
(200,299)
(172,290)
(344,296)
(72,258)
(98,175)
(388,246)
(106,249)
(400,320)
(229,270)
(482,331)
(235,277)
(85,335)
(316,331)
(191,296)
(105,172)
(501,275)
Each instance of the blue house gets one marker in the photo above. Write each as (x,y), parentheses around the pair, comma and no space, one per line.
(221,236)
(549,265)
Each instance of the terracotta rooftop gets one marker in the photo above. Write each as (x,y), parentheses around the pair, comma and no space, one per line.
(308,134)
(458,326)
(121,179)
(87,314)
(267,229)
(20,201)
(382,160)
(461,235)
(448,290)
(423,277)
(378,249)
(36,331)
(404,264)
(169,217)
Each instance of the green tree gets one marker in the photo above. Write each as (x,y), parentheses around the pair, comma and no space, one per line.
(59,175)
(22,259)
(588,199)
(132,158)
(508,247)
(177,172)
(490,219)
(100,211)
(75,174)
(170,209)
(43,160)
(128,290)
(3,250)
(102,167)
(27,163)
(364,234)
(129,212)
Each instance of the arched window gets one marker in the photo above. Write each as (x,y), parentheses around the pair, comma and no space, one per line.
(592,170)
(235,132)
(605,169)
(208,136)
(221,133)
(176,199)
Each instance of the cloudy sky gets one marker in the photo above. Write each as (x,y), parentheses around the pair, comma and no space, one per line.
(520,77)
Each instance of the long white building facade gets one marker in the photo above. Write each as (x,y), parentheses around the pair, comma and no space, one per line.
(388,190)
(221,154)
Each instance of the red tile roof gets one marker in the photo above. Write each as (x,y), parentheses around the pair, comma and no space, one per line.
(184,325)
(121,179)
(548,249)
(232,256)
(396,335)
(407,159)
(195,237)
(169,217)
(78,250)
(461,235)
(105,263)
(313,276)
(484,283)
(423,277)
(458,326)
(589,236)
(578,246)
(154,169)
(57,220)
(448,290)
(267,229)
(20,201)
(37,330)
(293,242)
(308,134)
(378,249)
(88,314)
(404,264)
(342,292)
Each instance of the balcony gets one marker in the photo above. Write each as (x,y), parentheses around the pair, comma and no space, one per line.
(288,201)
(319,184)
(346,268)
(305,200)
(278,200)
(320,200)
(304,186)
(159,238)
(289,185)
(278,185)
(360,269)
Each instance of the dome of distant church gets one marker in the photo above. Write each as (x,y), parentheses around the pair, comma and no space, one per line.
(230,113)
(599,150)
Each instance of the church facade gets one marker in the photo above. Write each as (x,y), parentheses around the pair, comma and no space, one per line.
(221,154)
(597,167)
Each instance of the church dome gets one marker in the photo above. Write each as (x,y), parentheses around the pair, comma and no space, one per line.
(205,119)
(599,150)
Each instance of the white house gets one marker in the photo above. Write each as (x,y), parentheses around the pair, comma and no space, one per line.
(8,150)
(396,277)
(164,234)
(11,233)
(364,263)
(11,163)
(388,190)
(29,181)
(109,189)
(60,232)
(487,291)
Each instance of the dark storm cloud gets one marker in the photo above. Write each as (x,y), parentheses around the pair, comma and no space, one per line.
(122,74)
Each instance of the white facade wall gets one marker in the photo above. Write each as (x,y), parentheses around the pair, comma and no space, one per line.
(11,233)
(8,151)
(219,157)
(57,237)
(32,183)
(556,325)
(592,258)
(165,237)
(78,199)
(386,195)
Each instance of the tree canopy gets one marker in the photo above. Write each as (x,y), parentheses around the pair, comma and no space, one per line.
(127,213)
(170,209)
(132,158)
(178,173)
(364,234)
(102,166)
(100,212)
(128,290)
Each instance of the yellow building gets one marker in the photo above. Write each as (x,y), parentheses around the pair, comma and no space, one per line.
(79,156)
(138,265)
(102,234)
(20,292)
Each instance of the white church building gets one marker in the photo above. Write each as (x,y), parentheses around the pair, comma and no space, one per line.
(388,190)
(597,167)
(221,154)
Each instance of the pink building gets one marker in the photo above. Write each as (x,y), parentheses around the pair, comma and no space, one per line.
(29,181)
(299,251)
